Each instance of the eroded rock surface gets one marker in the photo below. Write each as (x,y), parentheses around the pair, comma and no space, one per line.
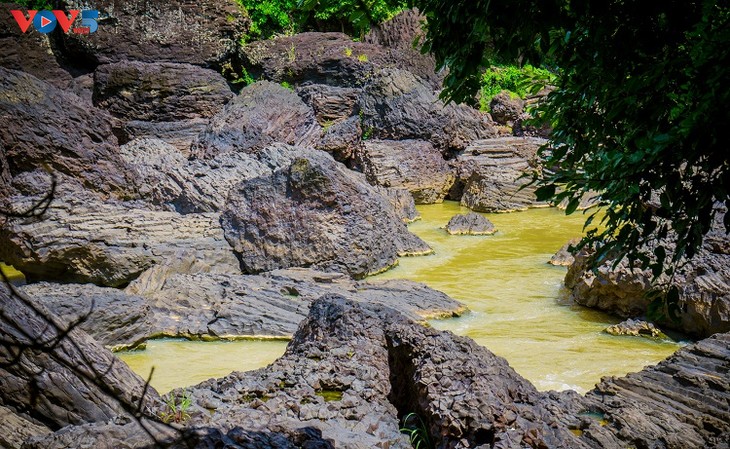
(325,216)
(564,257)
(489,173)
(635,328)
(470,224)
(410,164)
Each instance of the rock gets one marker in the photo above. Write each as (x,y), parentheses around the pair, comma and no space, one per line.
(564,257)
(342,139)
(159,91)
(115,319)
(330,58)
(635,328)
(403,31)
(470,224)
(205,33)
(73,381)
(411,164)
(326,217)
(29,52)
(396,105)
(262,114)
(15,429)
(82,239)
(331,104)
(489,171)
(505,108)
(703,283)
(83,87)
(353,370)
(45,128)
(402,202)
(180,134)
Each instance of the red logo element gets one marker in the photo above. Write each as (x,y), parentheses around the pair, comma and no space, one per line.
(64,21)
(23,23)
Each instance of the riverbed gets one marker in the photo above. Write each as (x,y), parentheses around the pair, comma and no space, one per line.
(518,309)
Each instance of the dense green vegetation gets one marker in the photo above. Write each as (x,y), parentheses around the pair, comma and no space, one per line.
(355,17)
(642,95)
(519,81)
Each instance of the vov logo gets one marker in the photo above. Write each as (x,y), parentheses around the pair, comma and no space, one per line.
(46,21)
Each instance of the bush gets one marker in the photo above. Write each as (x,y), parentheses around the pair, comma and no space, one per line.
(519,81)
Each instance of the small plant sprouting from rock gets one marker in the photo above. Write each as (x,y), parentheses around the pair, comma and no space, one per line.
(348,52)
(417,432)
(362,57)
(176,408)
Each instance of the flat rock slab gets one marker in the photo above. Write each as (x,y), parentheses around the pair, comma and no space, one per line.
(470,224)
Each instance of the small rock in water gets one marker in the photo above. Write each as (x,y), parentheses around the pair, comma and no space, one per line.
(564,258)
(470,224)
(635,328)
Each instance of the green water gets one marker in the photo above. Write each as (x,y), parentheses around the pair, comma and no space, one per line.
(515,297)
(519,310)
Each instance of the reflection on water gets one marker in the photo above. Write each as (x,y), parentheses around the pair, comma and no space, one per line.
(180,363)
(515,298)
(514,295)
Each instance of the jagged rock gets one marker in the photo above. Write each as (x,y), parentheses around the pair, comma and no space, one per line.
(184,299)
(115,319)
(331,104)
(82,239)
(342,139)
(330,58)
(76,381)
(564,257)
(15,429)
(325,216)
(159,91)
(703,283)
(411,164)
(28,52)
(488,171)
(403,31)
(48,128)
(205,33)
(353,370)
(262,114)
(402,201)
(470,224)
(180,134)
(505,108)
(635,328)
(396,105)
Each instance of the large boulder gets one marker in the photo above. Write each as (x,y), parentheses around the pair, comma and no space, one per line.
(159,92)
(506,108)
(404,31)
(489,174)
(703,283)
(205,33)
(330,58)
(56,378)
(29,52)
(331,104)
(45,128)
(343,140)
(397,105)
(315,212)
(262,114)
(410,164)
(470,224)
(82,239)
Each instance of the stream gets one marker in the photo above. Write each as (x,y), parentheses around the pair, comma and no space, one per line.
(518,309)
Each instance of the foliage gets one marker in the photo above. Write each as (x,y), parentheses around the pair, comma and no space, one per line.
(177,408)
(641,96)
(415,428)
(517,80)
(355,17)
(37,4)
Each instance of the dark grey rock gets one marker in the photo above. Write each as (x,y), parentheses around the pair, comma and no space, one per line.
(159,91)
(505,108)
(470,224)
(262,114)
(204,33)
(410,164)
(45,128)
(396,105)
(330,58)
(489,172)
(402,201)
(326,217)
(331,104)
(342,140)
